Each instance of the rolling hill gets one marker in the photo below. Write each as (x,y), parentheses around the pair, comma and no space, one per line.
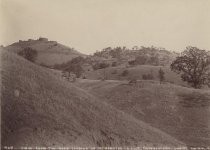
(134,72)
(39,109)
(179,111)
(49,52)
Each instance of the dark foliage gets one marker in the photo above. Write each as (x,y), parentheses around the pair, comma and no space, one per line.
(193,65)
(78,60)
(110,52)
(114,72)
(132,81)
(143,55)
(161,75)
(76,69)
(131,62)
(144,59)
(141,60)
(101,65)
(125,73)
(148,76)
(154,60)
(74,66)
(29,54)
(114,64)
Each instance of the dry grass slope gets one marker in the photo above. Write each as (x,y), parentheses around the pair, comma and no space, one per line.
(49,52)
(179,111)
(40,109)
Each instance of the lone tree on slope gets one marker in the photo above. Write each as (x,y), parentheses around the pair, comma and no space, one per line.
(193,65)
(161,75)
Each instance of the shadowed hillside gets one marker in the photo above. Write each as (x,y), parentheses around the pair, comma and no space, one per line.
(49,52)
(40,109)
(179,111)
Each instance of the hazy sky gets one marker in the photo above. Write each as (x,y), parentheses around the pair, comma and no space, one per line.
(90,25)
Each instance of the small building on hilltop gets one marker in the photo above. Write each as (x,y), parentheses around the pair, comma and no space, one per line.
(43,39)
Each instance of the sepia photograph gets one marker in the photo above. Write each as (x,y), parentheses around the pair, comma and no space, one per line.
(105,74)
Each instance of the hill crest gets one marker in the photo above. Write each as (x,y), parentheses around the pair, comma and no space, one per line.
(49,52)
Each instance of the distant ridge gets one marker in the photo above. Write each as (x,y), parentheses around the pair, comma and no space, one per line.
(152,55)
(49,52)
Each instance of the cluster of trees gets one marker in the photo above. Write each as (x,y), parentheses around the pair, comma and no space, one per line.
(193,64)
(143,55)
(72,67)
(75,66)
(116,52)
(144,59)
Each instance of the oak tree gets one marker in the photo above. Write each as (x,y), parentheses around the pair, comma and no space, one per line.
(193,65)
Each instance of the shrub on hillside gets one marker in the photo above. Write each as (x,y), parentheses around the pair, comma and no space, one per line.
(148,76)
(161,75)
(114,72)
(131,62)
(100,65)
(78,60)
(154,60)
(141,60)
(44,65)
(114,64)
(133,81)
(29,54)
(125,73)
(208,80)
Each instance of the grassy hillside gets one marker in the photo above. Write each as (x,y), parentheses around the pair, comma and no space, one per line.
(39,109)
(49,52)
(179,111)
(135,72)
